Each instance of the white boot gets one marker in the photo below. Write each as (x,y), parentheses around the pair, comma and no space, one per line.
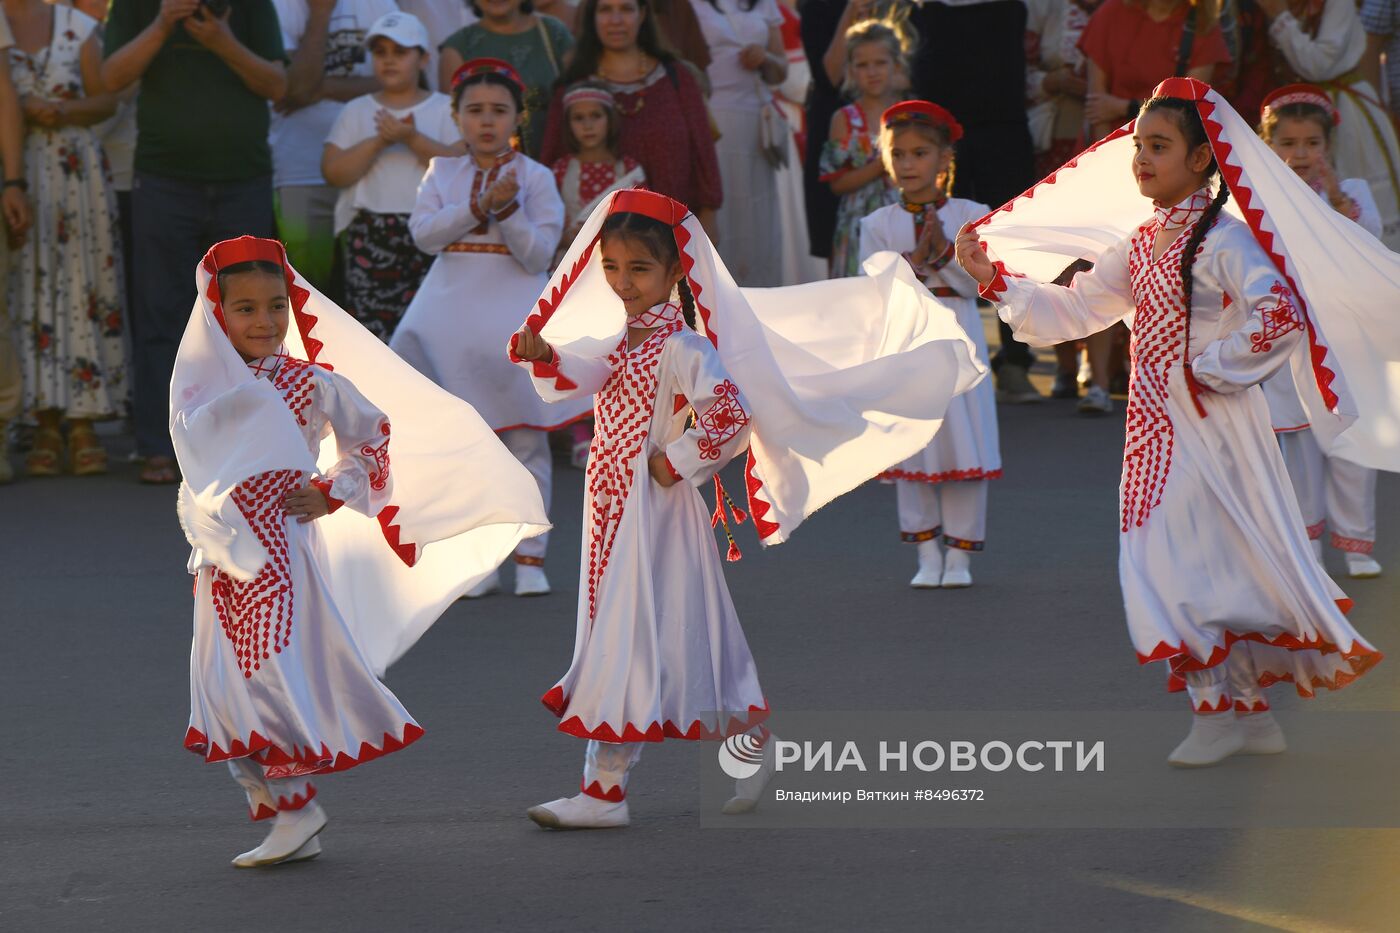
(491,584)
(291,830)
(580,812)
(1213,738)
(530,580)
(1262,735)
(748,790)
(957,569)
(930,575)
(1362,566)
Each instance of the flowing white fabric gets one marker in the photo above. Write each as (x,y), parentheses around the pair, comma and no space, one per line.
(844,378)
(459,504)
(1349,375)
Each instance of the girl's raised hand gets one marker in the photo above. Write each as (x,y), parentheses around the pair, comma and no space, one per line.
(531,346)
(972,257)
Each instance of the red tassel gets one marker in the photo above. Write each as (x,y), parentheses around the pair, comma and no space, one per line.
(734,553)
(740,516)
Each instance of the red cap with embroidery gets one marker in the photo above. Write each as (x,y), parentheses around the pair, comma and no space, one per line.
(651,204)
(921,111)
(1300,94)
(482,66)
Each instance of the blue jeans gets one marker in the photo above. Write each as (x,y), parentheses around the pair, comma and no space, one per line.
(173,224)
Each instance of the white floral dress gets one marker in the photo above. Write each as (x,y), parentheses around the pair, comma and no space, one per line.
(65,283)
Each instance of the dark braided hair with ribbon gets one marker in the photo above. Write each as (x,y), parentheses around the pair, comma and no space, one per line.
(660,241)
(1188,119)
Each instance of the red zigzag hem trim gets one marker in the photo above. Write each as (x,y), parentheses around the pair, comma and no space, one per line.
(282,764)
(947,476)
(284,805)
(557,703)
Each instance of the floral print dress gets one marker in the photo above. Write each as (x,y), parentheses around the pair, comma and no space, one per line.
(846,155)
(65,283)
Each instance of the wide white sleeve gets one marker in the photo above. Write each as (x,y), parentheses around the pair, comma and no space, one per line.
(532,224)
(361,478)
(435,222)
(1272,329)
(1335,50)
(721,428)
(1369,216)
(1044,315)
(565,375)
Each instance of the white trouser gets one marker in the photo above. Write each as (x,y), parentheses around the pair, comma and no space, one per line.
(955,510)
(531,448)
(605,767)
(1231,685)
(1332,492)
(267,798)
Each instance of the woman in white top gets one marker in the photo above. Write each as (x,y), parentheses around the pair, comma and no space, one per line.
(376,155)
(747,57)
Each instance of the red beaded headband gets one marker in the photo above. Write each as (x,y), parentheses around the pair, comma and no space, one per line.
(596,95)
(921,111)
(1300,94)
(482,66)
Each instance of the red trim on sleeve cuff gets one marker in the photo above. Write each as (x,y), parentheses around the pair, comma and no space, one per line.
(670,468)
(332,503)
(541,369)
(993,290)
(509,209)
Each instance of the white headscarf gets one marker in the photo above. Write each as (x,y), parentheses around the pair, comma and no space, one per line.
(1348,378)
(460,501)
(844,378)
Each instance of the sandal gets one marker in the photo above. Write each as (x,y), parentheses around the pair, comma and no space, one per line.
(160,471)
(86,455)
(46,456)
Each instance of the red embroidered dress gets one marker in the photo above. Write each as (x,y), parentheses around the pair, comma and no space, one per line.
(275,672)
(1214,555)
(659,649)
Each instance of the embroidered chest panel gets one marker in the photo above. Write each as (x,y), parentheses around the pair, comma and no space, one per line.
(1159,327)
(623,410)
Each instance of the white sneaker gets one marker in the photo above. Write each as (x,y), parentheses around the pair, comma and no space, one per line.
(530,580)
(291,830)
(1362,566)
(1095,402)
(1213,738)
(580,812)
(1262,735)
(957,569)
(930,575)
(748,790)
(490,584)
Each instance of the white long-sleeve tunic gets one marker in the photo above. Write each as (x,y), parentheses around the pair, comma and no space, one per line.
(1213,549)
(489,271)
(275,671)
(966,446)
(659,649)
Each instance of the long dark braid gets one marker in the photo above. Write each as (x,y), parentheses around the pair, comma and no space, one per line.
(687,302)
(659,240)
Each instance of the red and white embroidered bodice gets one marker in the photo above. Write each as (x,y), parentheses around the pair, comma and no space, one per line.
(257,615)
(1244,322)
(644,398)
